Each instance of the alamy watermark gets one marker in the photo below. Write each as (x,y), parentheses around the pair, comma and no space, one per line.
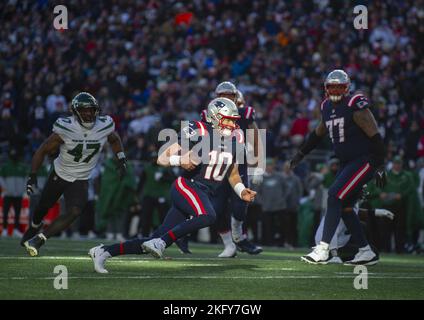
(361,280)
(60,22)
(60,282)
(218,149)
(361,20)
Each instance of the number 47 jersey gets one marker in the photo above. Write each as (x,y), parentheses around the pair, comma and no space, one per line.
(348,139)
(81,148)
(218,153)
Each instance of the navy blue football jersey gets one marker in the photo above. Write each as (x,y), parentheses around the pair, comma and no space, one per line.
(222,152)
(247,117)
(348,140)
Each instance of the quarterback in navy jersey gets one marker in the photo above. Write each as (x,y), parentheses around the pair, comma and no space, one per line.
(232,211)
(204,171)
(356,141)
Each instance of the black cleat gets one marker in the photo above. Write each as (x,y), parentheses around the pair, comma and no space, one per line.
(247,246)
(182,244)
(33,245)
(30,233)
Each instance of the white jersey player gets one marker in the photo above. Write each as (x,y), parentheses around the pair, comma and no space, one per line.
(79,139)
(342,237)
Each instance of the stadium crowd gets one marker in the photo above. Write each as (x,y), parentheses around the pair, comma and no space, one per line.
(153,63)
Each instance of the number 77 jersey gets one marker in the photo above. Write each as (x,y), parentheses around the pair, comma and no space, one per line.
(81,148)
(348,139)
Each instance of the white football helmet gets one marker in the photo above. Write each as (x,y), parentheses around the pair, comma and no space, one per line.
(337,85)
(220,109)
(226,89)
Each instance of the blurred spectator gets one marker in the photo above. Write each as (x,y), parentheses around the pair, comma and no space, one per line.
(115,198)
(13,175)
(156,183)
(394,198)
(294,193)
(272,194)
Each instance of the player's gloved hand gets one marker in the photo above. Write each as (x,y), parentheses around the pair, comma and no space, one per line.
(122,168)
(380,177)
(31,184)
(384,213)
(296,159)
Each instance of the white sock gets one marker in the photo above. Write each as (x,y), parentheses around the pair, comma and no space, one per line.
(226,238)
(237,230)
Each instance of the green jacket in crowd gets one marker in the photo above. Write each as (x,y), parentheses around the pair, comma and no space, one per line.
(115,196)
(13,176)
(157,181)
(406,185)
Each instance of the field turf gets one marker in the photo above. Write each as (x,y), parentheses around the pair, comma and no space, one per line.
(273,275)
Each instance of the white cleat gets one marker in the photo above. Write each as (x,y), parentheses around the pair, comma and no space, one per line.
(4,233)
(365,257)
(230,251)
(320,255)
(155,247)
(99,257)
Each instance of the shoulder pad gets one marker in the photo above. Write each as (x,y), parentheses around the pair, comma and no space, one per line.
(63,126)
(323,104)
(358,102)
(106,123)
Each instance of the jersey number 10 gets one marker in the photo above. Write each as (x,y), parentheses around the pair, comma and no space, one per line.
(215,169)
(331,124)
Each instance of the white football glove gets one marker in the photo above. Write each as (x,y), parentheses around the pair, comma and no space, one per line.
(384,213)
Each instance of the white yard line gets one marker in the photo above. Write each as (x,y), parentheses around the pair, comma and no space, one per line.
(141,277)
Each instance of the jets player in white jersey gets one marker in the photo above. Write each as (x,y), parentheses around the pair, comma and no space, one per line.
(79,139)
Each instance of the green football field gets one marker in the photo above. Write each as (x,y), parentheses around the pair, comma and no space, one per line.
(275,274)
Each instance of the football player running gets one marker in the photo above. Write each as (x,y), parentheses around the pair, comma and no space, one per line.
(230,226)
(359,146)
(191,192)
(79,139)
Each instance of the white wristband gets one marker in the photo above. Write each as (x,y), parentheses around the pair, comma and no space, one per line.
(238,188)
(175,160)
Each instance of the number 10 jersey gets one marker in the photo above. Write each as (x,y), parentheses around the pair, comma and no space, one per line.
(81,148)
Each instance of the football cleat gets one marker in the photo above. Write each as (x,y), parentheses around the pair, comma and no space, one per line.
(155,247)
(365,257)
(247,246)
(230,251)
(182,244)
(30,233)
(33,245)
(99,257)
(320,255)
